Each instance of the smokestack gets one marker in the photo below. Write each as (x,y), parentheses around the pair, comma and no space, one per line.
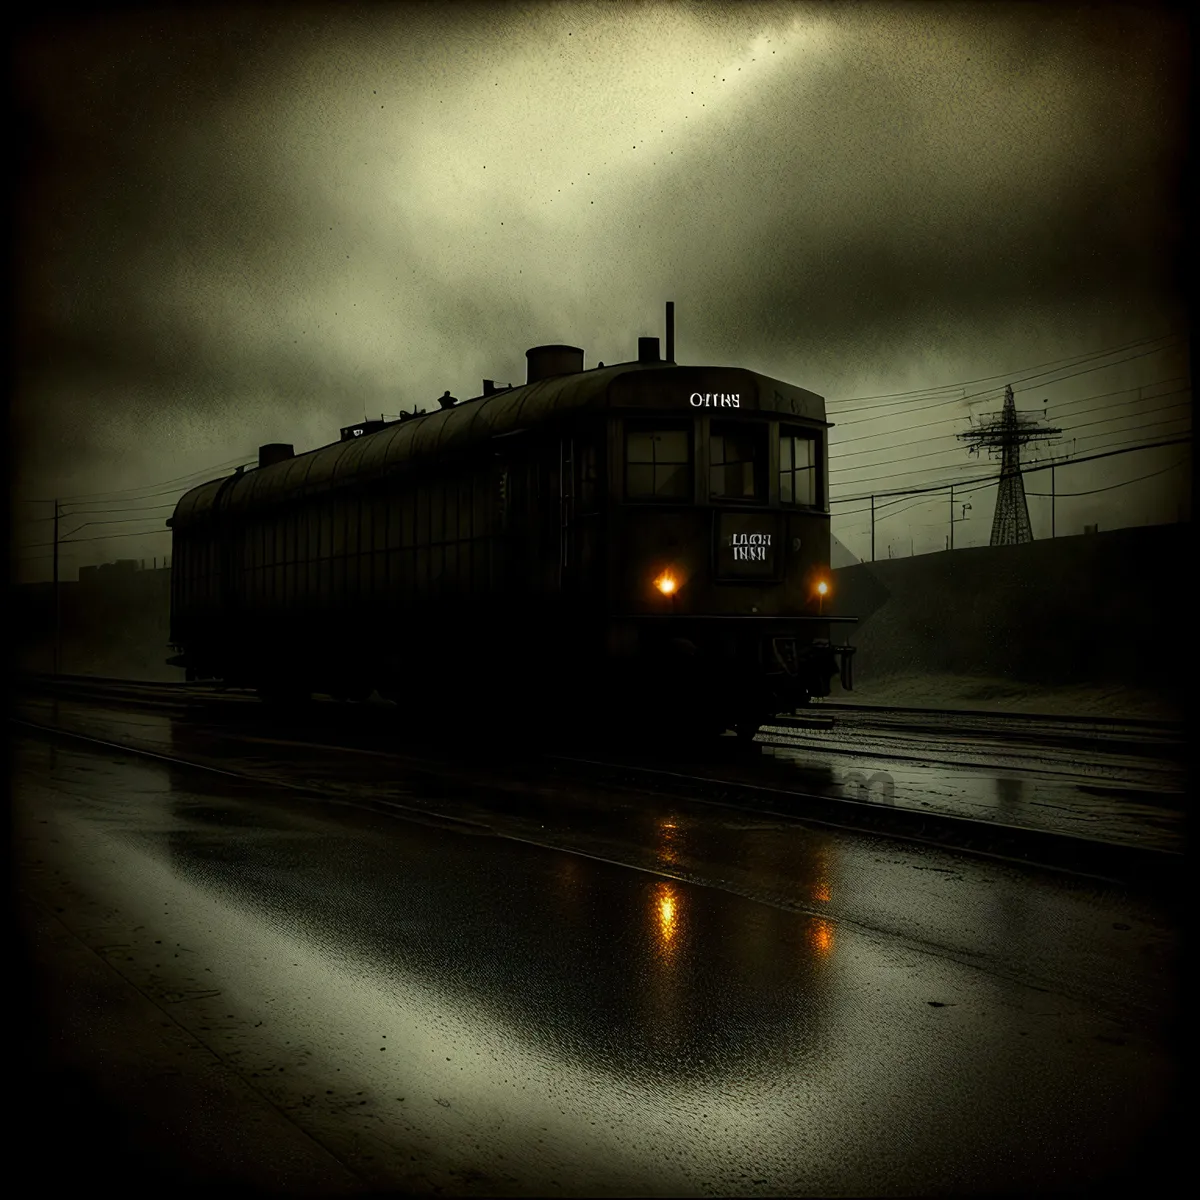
(670,331)
(648,350)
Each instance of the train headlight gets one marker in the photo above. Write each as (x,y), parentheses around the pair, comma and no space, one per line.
(667,584)
(822,588)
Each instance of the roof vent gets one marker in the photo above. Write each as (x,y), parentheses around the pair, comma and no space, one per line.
(275,452)
(648,350)
(547,361)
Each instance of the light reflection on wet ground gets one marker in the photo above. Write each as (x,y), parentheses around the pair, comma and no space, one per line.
(775,861)
(540,1021)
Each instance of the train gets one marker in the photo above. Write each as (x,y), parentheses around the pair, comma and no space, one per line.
(643,541)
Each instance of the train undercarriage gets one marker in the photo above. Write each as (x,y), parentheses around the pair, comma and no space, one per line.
(684,676)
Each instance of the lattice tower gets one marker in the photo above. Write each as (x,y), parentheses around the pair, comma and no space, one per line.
(1004,433)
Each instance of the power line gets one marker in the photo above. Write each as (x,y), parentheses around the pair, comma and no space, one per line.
(95,512)
(959,466)
(101,537)
(130,492)
(992,480)
(1016,377)
(935,499)
(858,437)
(1125,483)
(1047,368)
(1067,432)
(1070,358)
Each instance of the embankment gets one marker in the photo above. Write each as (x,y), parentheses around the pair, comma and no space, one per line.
(1104,618)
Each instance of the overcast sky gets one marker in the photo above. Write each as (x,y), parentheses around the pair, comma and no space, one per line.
(242,226)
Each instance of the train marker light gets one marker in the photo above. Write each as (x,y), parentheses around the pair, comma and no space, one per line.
(822,587)
(666,584)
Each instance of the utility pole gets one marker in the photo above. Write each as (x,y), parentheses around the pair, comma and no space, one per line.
(872,528)
(1052,500)
(57,620)
(1005,433)
(950,544)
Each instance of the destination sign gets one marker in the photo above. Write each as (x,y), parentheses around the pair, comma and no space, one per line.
(747,545)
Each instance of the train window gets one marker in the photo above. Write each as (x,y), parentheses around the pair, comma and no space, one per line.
(658,464)
(797,467)
(737,461)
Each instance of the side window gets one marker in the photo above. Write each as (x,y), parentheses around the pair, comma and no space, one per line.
(658,464)
(797,467)
(737,461)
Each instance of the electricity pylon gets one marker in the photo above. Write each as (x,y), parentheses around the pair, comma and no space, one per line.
(1005,433)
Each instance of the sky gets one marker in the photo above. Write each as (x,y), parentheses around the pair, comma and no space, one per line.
(238,226)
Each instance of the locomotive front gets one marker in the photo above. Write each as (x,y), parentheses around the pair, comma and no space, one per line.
(721,544)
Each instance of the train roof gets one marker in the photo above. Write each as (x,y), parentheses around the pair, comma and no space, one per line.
(661,388)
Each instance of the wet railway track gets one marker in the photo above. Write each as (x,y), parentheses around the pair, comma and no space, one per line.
(1113,734)
(1165,737)
(725,776)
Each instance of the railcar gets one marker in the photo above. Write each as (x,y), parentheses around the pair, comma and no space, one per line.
(643,540)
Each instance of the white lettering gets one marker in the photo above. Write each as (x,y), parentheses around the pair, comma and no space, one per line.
(749,547)
(715,400)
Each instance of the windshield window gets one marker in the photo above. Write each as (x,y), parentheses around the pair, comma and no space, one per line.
(737,461)
(797,467)
(658,464)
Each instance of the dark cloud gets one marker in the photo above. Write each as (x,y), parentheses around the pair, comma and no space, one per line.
(240,225)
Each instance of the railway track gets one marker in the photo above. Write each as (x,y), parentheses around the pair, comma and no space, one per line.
(909,733)
(822,715)
(1072,852)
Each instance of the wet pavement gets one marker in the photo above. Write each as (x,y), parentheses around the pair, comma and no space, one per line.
(1111,798)
(1116,791)
(531,991)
